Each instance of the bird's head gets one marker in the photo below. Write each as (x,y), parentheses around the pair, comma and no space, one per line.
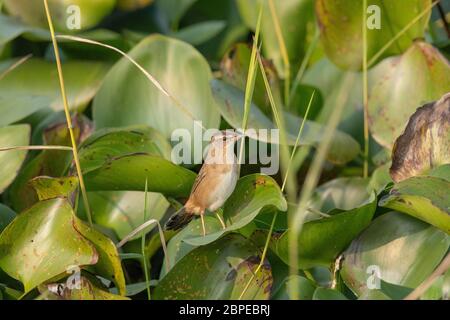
(225,138)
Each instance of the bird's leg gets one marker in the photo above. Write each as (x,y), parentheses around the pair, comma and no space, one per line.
(221,220)
(203,223)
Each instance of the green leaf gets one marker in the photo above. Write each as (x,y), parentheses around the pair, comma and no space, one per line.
(219,270)
(135,288)
(380,178)
(123,159)
(122,211)
(131,5)
(316,236)
(328,294)
(179,68)
(9,293)
(52,163)
(14,108)
(329,79)
(174,9)
(305,286)
(252,193)
(107,144)
(394,291)
(11,161)
(342,193)
(442,172)
(6,216)
(201,32)
(230,101)
(177,247)
(33,13)
(81,78)
(435,291)
(49,188)
(126,173)
(109,264)
(425,198)
(11,28)
(404,250)
(420,75)
(425,143)
(42,243)
(341,28)
(296,18)
(235,65)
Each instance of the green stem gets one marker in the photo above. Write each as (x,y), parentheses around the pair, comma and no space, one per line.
(250,85)
(365,93)
(144,258)
(67,113)
(302,69)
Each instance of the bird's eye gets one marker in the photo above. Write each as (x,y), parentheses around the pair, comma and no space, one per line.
(224,138)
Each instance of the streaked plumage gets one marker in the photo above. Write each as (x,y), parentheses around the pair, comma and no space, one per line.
(215,181)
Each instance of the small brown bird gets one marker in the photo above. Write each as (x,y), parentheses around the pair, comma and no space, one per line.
(214,184)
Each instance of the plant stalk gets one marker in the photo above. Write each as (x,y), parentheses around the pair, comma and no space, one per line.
(365,94)
(67,113)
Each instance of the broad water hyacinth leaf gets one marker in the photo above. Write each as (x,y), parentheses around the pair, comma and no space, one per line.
(344,193)
(42,243)
(11,28)
(109,264)
(380,178)
(419,76)
(51,163)
(396,248)
(219,270)
(329,80)
(14,108)
(230,101)
(127,97)
(340,228)
(106,144)
(177,247)
(125,173)
(425,143)
(131,5)
(426,198)
(234,67)
(341,24)
(49,188)
(32,12)
(328,294)
(6,216)
(296,21)
(124,159)
(11,161)
(251,195)
(81,78)
(305,286)
(122,211)
(174,9)
(201,32)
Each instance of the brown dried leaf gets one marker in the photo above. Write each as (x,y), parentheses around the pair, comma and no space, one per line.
(425,143)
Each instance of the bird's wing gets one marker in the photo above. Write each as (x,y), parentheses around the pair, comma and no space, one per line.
(201,175)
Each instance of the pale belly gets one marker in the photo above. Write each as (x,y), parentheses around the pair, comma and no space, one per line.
(225,189)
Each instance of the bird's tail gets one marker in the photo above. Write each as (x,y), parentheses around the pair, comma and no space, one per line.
(178,220)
